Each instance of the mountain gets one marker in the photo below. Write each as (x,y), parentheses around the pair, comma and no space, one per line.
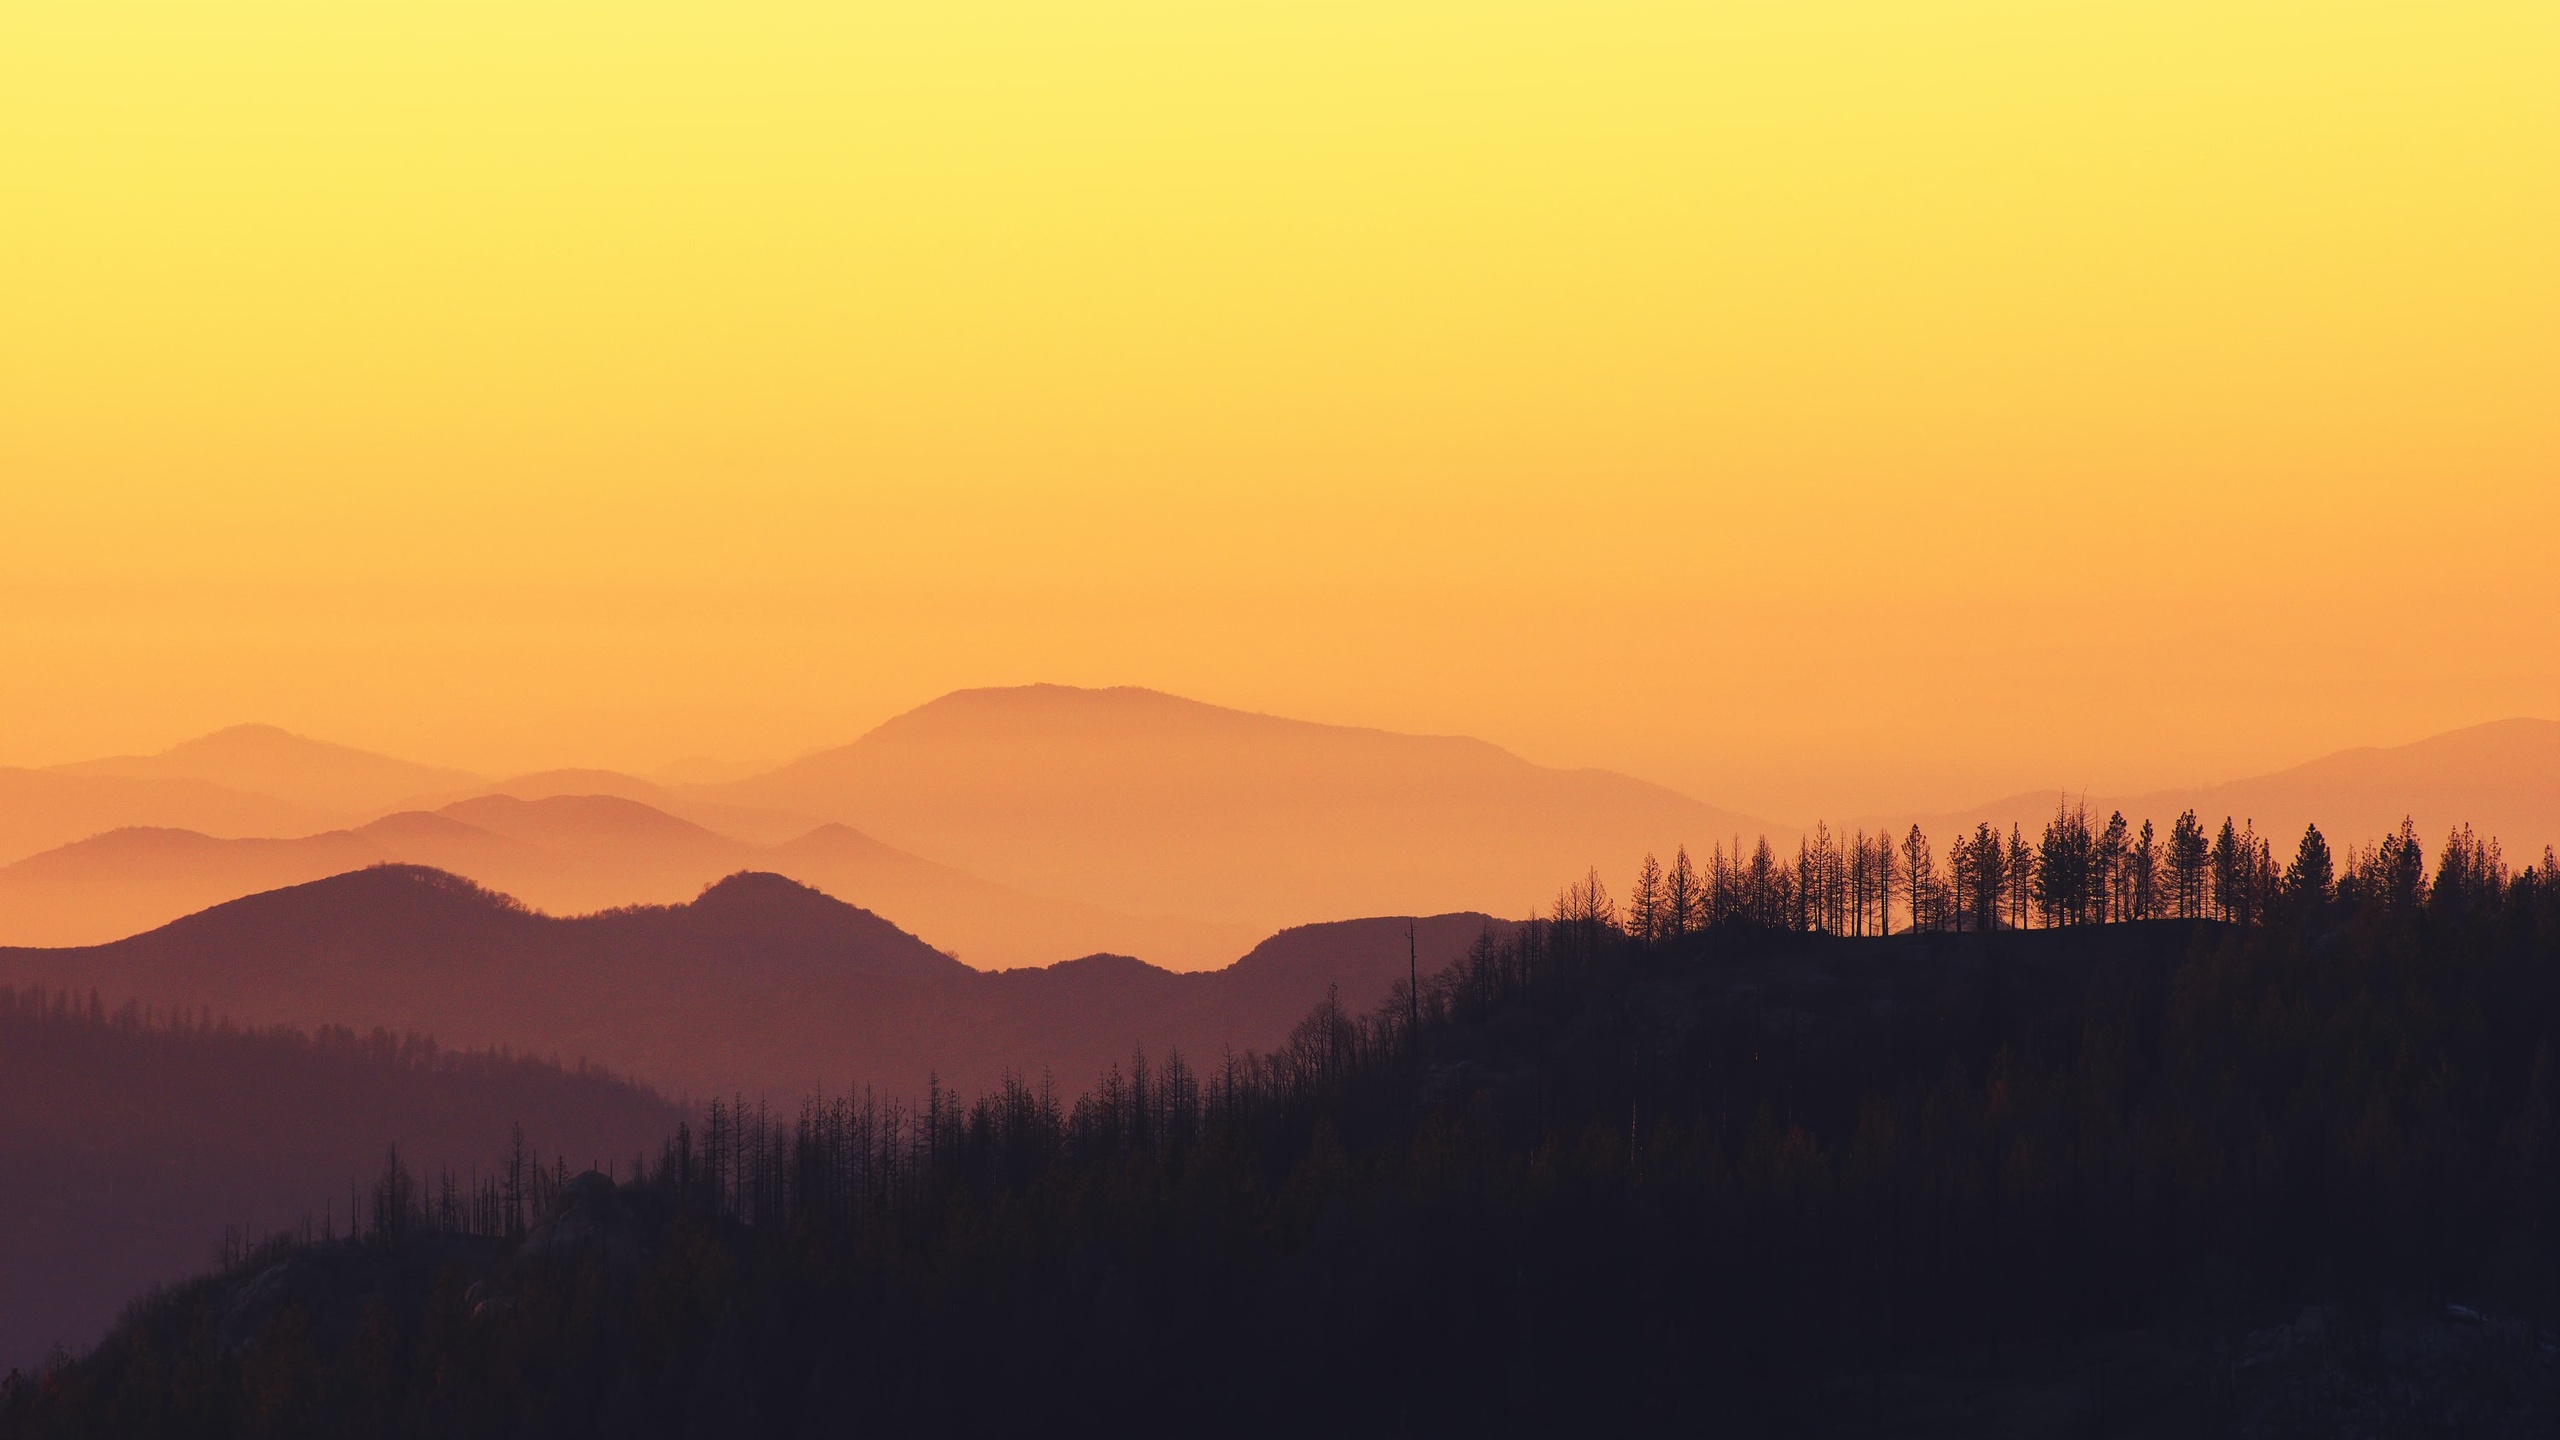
(738,822)
(152,1137)
(570,853)
(991,926)
(129,880)
(1150,803)
(263,760)
(601,850)
(41,809)
(2502,779)
(758,985)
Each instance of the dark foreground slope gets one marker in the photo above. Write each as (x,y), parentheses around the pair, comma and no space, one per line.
(129,1146)
(758,986)
(2161,1179)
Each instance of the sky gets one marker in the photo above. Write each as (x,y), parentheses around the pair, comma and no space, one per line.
(1822,407)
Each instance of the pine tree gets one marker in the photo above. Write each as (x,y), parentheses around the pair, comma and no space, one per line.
(1683,905)
(2309,880)
(2018,877)
(1919,878)
(2189,855)
(2109,880)
(2226,861)
(2142,867)
(1645,903)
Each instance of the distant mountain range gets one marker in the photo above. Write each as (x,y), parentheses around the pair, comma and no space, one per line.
(570,854)
(1023,826)
(1148,802)
(2502,779)
(42,809)
(759,985)
(263,760)
(1010,827)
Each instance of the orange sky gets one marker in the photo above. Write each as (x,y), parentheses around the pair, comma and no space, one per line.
(1818,407)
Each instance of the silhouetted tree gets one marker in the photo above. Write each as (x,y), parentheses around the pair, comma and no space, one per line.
(1919,879)
(2110,883)
(2018,878)
(1684,902)
(2311,878)
(2142,869)
(2190,863)
(1646,921)
(2063,864)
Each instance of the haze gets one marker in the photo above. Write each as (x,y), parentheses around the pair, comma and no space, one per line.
(1835,408)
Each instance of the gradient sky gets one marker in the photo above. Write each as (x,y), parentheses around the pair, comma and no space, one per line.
(1816,406)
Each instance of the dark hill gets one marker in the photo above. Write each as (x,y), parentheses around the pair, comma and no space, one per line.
(759,985)
(128,1146)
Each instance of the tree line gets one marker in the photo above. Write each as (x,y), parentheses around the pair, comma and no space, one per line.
(2077,871)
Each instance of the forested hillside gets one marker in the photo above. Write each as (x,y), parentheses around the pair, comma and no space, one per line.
(131,1142)
(2291,1171)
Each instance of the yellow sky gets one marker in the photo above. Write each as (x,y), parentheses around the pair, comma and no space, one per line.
(1814,405)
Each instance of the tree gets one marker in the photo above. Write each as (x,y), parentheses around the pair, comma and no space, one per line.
(1886,875)
(1859,885)
(2108,877)
(2227,862)
(2018,877)
(1645,903)
(2062,866)
(2309,880)
(2142,869)
(1764,887)
(1919,878)
(1981,871)
(1822,880)
(2470,875)
(1583,919)
(1683,903)
(2404,869)
(2189,856)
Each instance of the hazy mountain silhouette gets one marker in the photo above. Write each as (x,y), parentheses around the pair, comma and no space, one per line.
(738,822)
(2502,779)
(41,809)
(991,926)
(1147,802)
(264,760)
(569,854)
(759,984)
(129,1146)
(126,881)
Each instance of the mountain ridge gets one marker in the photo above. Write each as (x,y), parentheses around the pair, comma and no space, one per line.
(567,854)
(268,759)
(2501,777)
(1151,802)
(759,983)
